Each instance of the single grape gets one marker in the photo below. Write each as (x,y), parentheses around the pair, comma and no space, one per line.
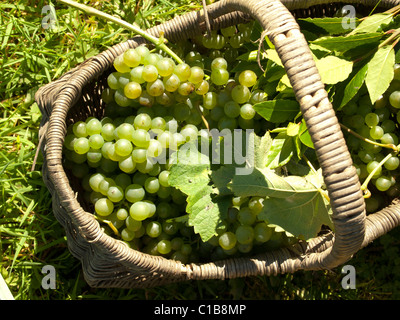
(154,229)
(107,131)
(93,126)
(127,165)
(371,119)
(132,90)
(164,246)
(392,163)
(232,109)
(122,214)
(219,76)
(132,58)
(394,99)
(262,233)
(244,234)
(115,193)
(171,82)
(248,78)
(163,178)
(240,94)
(120,65)
(210,100)
(196,75)
(81,145)
(155,88)
(139,155)
(228,31)
(152,185)
(376,132)
(123,147)
(183,71)
(143,52)
(149,73)
(383,183)
(202,87)
(390,138)
(134,193)
(372,166)
(95,180)
(79,129)
(96,141)
(121,99)
(127,235)
(246,216)
(104,207)
(123,180)
(136,75)
(152,59)
(227,240)
(139,211)
(154,149)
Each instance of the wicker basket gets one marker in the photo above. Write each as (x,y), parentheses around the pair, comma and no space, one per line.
(108,262)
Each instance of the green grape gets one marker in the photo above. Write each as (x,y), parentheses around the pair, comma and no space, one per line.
(139,210)
(146,100)
(122,214)
(236,41)
(164,210)
(219,77)
(143,52)
(155,88)
(193,56)
(246,216)
(96,141)
(170,227)
(383,183)
(154,149)
(390,138)
(123,80)
(141,138)
(137,75)
(210,100)
(202,87)
(152,59)
(189,132)
(165,67)
(256,204)
(176,243)
(152,207)
(79,129)
(394,99)
(388,126)
(186,88)
(365,156)
(154,229)
(139,155)
(81,145)
(165,138)
(371,119)
(149,73)
(69,141)
(125,131)
(177,141)
(376,132)
(217,113)
(232,109)
(121,99)
(183,71)
(105,185)
(104,207)
(127,235)
(240,94)
(227,240)
(112,80)
(115,193)
(247,111)
(152,185)
(196,75)
(383,114)
(163,178)
(371,166)
(127,165)
(93,126)
(171,83)
(262,233)
(227,123)
(132,58)
(219,63)
(165,99)
(244,234)
(228,31)
(392,163)
(186,249)
(95,180)
(123,147)
(134,193)
(107,131)
(120,65)
(132,90)
(164,246)
(158,125)
(181,112)
(146,166)
(94,156)
(142,121)
(248,78)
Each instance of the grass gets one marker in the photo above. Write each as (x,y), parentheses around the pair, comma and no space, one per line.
(31,238)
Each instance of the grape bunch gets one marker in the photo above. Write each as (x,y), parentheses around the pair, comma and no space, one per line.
(372,141)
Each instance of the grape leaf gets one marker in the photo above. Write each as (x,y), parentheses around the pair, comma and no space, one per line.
(280,152)
(380,72)
(302,214)
(345,43)
(277,111)
(305,136)
(266,183)
(333,69)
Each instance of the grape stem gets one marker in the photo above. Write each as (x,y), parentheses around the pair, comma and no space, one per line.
(371,175)
(389,146)
(159,43)
(109,223)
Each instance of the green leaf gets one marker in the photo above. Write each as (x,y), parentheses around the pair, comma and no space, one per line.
(305,136)
(373,23)
(380,72)
(280,152)
(345,43)
(333,69)
(266,183)
(278,111)
(301,215)
(329,25)
(354,85)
